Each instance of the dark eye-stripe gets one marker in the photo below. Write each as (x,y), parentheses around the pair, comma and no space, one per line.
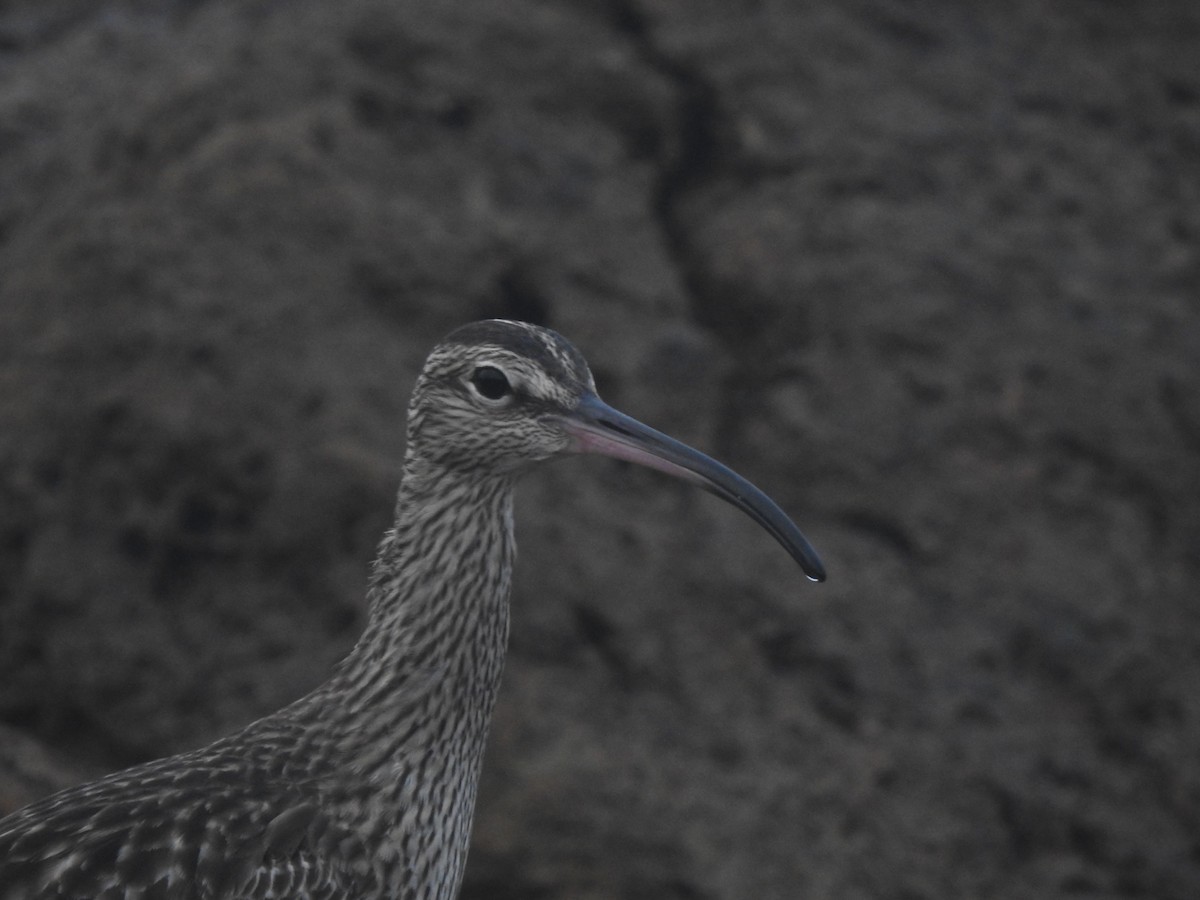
(491,383)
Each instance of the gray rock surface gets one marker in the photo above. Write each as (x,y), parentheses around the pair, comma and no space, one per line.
(926,273)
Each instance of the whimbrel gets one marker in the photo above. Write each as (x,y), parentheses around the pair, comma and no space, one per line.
(366,787)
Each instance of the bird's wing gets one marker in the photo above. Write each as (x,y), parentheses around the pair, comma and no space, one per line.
(178,832)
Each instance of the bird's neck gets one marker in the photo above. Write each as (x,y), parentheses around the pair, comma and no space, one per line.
(438,603)
(407,712)
(440,585)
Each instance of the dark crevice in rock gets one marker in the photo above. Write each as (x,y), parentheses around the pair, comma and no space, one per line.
(700,148)
(692,154)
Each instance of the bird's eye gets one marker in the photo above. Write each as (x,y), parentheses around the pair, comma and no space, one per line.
(491,383)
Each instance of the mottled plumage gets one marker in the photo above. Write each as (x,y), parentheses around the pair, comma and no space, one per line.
(366,787)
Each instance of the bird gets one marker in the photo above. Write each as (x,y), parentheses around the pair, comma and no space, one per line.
(365,788)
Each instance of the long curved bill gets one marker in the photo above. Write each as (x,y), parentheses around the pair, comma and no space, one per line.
(595,427)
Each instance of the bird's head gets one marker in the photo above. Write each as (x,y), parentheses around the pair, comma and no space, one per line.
(492,395)
(495,397)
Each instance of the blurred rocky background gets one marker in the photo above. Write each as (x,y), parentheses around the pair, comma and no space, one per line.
(929,273)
